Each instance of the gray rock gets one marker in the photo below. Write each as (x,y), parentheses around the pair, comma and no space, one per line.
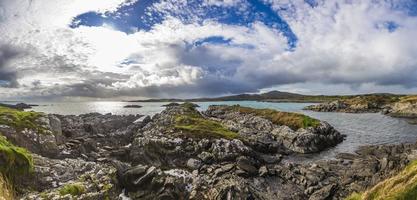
(193,163)
(246,165)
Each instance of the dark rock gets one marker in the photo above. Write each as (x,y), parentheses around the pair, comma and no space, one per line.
(18,106)
(132,106)
(246,165)
(171,104)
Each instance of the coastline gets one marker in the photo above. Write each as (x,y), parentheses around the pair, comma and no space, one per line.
(218,144)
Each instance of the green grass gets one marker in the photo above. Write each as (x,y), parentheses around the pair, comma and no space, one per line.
(403,186)
(74,189)
(203,128)
(191,123)
(21,120)
(292,120)
(354,196)
(14,160)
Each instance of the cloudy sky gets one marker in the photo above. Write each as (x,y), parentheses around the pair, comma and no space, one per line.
(118,49)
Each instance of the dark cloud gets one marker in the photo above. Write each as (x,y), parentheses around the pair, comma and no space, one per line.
(8,77)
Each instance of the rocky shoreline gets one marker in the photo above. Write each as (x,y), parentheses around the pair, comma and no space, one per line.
(400,107)
(226,152)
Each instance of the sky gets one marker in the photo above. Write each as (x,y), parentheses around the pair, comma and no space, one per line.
(130,49)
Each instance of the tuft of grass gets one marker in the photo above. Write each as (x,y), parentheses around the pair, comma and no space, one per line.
(21,120)
(203,128)
(193,124)
(6,189)
(14,160)
(293,120)
(354,196)
(402,186)
(409,99)
(74,189)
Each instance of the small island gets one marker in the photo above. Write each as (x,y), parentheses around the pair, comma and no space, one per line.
(132,106)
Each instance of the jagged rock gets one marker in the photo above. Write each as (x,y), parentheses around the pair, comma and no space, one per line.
(308,140)
(333,106)
(51,175)
(149,182)
(264,136)
(324,193)
(41,140)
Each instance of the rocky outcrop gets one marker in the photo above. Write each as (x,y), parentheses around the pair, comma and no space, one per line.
(394,106)
(18,106)
(43,138)
(262,134)
(343,106)
(406,109)
(70,179)
(94,136)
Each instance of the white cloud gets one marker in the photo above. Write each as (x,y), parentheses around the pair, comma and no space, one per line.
(340,44)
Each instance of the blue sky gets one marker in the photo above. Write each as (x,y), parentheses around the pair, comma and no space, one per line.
(122,49)
(142,15)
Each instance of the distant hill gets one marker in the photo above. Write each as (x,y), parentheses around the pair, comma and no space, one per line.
(272,96)
(268,96)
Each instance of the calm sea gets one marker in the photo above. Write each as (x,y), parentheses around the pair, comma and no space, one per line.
(361,129)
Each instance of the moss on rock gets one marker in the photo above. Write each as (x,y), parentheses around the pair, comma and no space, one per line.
(74,189)
(203,128)
(21,120)
(193,124)
(14,160)
(292,120)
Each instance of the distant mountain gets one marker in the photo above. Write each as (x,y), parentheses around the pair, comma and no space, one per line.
(269,96)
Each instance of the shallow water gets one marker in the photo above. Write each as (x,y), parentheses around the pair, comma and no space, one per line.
(361,129)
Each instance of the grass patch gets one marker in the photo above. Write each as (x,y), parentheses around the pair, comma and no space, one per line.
(409,99)
(372,101)
(6,189)
(292,120)
(20,120)
(203,128)
(14,160)
(191,123)
(354,196)
(74,189)
(403,186)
